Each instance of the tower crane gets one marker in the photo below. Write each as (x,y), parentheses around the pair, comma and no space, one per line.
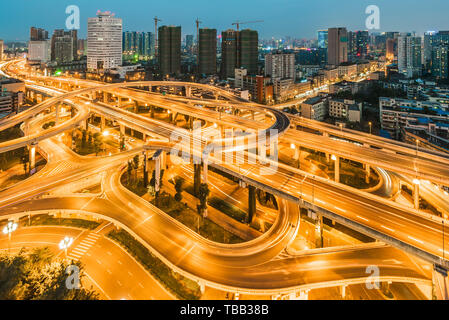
(156,20)
(238,23)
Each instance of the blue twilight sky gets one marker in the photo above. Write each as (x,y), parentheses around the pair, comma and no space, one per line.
(297,18)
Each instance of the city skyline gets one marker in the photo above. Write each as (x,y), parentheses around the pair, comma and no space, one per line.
(300,20)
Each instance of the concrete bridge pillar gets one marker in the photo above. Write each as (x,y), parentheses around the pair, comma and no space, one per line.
(152,111)
(252,114)
(343,292)
(196,178)
(57,109)
(136,107)
(102,123)
(252,205)
(319,231)
(205,169)
(416,194)
(326,134)
(440,283)
(188,91)
(157,175)
(368,172)
(337,168)
(145,169)
(32,157)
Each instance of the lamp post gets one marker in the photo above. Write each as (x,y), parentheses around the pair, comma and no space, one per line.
(370,127)
(8,229)
(65,243)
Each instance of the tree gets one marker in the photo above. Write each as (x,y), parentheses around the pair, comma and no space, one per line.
(203,196)
(136,164)
(83,139)
(25,161)
(179,186)
(38,275)
(129,170)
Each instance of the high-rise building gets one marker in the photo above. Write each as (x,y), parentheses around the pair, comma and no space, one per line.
(440,62)
(104,42)
(409,55)
(189,43)
(358,42)
(208,51)
(322,39)
(337,50)
(64,46)
(148,44)
(169,50)
(280,66)
(239,49)
(248,51)
(1,50)
(39,51)
(82,47)
(228,53)
(38,34)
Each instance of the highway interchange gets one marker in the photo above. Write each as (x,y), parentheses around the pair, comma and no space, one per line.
(248,267)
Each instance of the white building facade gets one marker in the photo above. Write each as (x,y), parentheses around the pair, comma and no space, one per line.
(104,42)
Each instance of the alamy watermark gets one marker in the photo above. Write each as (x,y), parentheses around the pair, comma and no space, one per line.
(372,22)
(73,20)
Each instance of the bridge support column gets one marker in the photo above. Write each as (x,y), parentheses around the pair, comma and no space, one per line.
(440,283)
(151,111)
(57,107)
(102,123)
(252,114)
(122,129)
(157,175)
(32,157)
(205,170)
(145,169)
(368,172)
(337,168)
(196,178)
(188,92)
(252,205)
(136,107)
(319,231)
(416,195)
(343,292)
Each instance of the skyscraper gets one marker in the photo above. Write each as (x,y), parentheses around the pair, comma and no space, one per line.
(104,42)
(64,45)
(337,50)
(440,62)
(169,50)
(358,42)
(38,34)
(248,51)
(228,53)
(239,49)
(189,43)
(280,66)
(409,55)
(208,51)
(322,39)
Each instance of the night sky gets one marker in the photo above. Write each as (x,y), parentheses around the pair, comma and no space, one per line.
(296,18)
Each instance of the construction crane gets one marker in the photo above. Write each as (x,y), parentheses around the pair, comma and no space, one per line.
(238,23)
(156,20)
(198,22)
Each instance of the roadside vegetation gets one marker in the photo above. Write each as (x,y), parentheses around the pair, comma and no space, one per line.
(38,275)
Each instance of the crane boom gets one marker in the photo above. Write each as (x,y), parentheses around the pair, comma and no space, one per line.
(238,23)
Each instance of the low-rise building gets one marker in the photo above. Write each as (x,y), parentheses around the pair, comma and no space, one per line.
(314,108)
(345,109)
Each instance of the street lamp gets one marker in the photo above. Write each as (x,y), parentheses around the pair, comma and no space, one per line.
(370,127)
(417,143)
(65,243)
(10,228)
